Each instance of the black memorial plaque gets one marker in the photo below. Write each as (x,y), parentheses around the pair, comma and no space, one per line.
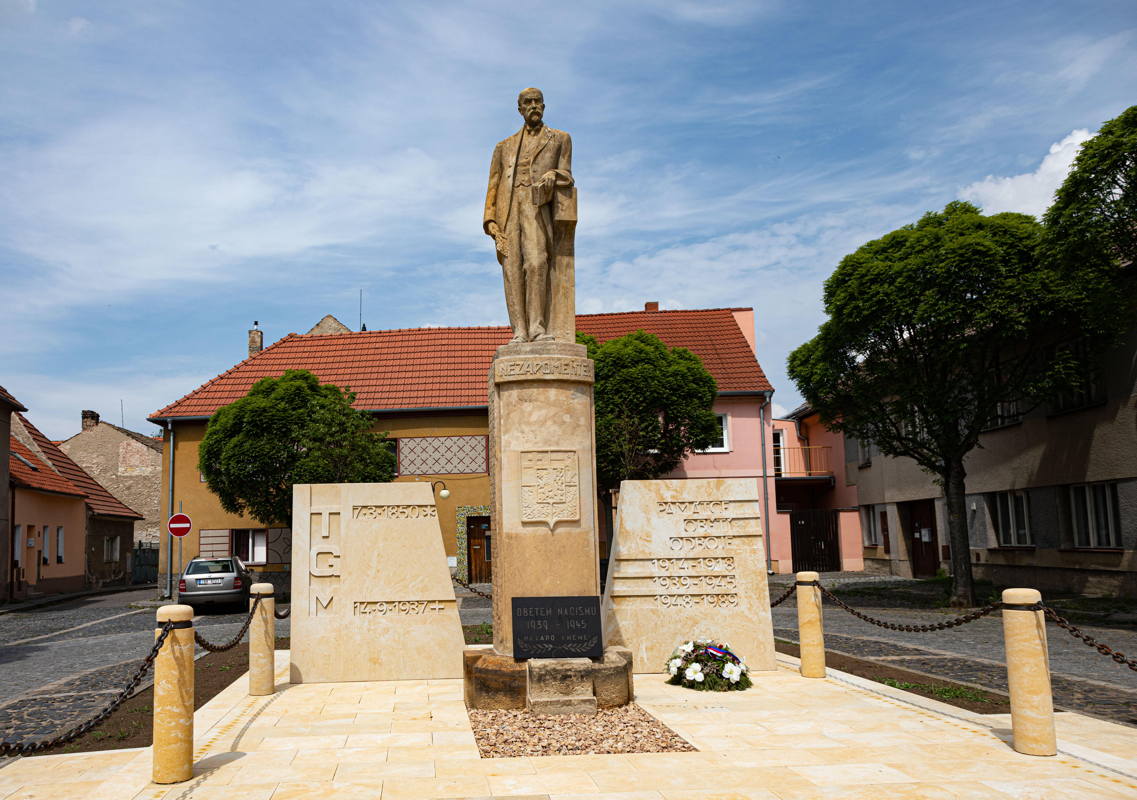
(557,627)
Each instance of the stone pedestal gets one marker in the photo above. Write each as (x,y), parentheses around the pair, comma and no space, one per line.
(560,686)
(547,685)
(543,470)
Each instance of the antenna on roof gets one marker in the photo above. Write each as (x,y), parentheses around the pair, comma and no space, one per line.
(361,311)
(121,413)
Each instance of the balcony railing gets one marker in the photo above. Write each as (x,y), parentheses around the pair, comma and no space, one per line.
(802,462)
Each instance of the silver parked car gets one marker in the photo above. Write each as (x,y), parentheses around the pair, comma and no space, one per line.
(214,580)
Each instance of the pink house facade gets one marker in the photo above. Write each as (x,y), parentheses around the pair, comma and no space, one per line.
(746,448)
(817,504)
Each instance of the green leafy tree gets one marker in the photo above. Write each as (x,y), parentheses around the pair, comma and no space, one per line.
(289,430)
(1090,233)
(930,329)
(653,407)
(1094,215)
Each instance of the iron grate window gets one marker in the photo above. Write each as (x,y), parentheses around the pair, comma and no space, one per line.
(442,455)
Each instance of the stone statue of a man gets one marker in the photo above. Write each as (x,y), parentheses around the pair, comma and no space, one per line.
(531,214)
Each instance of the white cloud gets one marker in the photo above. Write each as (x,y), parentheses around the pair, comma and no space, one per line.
(1085,59)
(76,25)
(18,6)
(1031,192)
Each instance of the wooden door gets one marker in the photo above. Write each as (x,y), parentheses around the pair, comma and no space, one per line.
(479,539)
(922,540)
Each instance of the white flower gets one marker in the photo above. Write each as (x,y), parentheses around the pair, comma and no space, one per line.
(732,672)
(673,665)
(694,672)
(686,647)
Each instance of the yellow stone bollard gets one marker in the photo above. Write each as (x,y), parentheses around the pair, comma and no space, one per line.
(173,698)
(262,641)
(1028,674)
(809,631)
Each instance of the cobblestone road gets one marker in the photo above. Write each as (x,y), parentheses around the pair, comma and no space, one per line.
(1083,679)
(62,663)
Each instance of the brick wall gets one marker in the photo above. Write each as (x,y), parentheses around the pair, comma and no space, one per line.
(127,468)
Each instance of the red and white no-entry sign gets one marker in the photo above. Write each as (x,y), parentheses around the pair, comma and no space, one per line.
(179,525)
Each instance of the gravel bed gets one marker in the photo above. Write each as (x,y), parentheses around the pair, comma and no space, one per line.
(629,729)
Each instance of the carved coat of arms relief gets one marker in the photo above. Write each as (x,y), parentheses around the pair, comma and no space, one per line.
(550,486)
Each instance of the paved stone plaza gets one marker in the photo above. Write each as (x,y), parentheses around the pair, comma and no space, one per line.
(788,737)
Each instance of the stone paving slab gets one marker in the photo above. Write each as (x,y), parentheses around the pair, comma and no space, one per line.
(1075,694)
(788,738)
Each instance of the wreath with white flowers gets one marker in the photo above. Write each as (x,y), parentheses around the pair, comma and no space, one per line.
(709,666)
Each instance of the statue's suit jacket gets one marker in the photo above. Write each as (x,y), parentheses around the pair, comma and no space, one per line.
(554,153)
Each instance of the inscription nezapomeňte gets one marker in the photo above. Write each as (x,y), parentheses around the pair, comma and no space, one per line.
(520,368)
(557,627)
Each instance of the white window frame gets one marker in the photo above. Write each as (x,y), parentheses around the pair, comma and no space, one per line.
(865,451)
(254,534)
(59,544)
(1007,413)
(1091,516)
(1008,502)
(724,426)
(18,545)
(779,438)
(870,530)
(112,549)
(45,551)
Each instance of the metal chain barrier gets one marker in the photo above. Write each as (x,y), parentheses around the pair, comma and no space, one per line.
(1102,648)
(229,645)
(27,748)
(785,596)
(282,614)
(478,592)
(892,626)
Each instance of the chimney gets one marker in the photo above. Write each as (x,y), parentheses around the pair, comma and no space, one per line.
(256,339)
(651,306)
(90,419)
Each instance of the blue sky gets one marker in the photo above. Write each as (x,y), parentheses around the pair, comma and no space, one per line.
(175,170)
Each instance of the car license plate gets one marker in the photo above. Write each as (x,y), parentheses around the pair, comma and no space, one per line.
(208,581)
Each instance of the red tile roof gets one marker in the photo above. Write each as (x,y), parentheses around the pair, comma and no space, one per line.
(29,472)
(5,397)
(435,368)
(99,499)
